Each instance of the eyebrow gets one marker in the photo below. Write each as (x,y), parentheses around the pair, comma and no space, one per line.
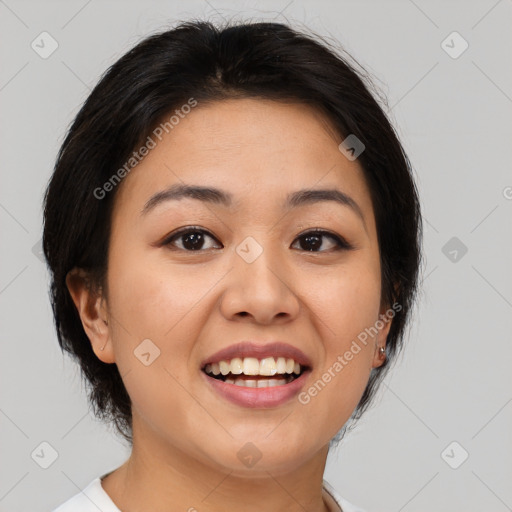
(220,197)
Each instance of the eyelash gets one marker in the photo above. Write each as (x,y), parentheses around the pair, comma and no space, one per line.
(341,243)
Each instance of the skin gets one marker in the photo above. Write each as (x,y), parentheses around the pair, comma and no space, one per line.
(191,304)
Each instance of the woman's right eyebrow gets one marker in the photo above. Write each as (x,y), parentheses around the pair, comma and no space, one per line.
(221,197)
(180,191)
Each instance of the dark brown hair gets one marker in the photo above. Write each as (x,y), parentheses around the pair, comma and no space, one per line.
(200,60)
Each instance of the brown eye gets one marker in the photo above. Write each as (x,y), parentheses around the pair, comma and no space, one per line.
(192,239)
(313,240)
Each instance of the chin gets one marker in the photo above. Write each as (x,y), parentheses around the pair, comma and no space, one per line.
(258,455)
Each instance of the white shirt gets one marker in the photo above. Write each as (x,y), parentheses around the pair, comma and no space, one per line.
(94,498)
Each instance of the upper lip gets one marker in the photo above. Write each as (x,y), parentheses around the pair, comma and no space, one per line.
(260,351)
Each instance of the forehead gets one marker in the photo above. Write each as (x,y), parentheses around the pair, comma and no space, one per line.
(255,149)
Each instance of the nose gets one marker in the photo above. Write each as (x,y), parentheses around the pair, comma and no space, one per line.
(261,291)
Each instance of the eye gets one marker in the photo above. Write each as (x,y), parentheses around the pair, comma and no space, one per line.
(192,239)
(312,240)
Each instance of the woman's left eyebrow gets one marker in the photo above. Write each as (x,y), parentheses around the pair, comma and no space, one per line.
(221,197)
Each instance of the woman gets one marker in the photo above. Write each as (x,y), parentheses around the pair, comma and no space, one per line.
(233,233)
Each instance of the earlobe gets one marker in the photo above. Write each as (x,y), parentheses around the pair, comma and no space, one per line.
(89,304)
(379,356)
(384,325)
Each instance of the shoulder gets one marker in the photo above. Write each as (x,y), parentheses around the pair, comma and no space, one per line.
(345,505)
(91,499)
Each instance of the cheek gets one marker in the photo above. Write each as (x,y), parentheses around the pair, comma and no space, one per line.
(156,313)
(153,299)
(346,307)
(165,304)
(347,300)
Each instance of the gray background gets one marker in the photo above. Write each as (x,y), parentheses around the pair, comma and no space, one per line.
(453,115)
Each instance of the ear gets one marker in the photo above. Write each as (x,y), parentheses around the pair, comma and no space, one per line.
(89,303)
(386,315)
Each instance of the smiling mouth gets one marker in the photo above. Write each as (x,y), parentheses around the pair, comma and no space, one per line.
(255,373)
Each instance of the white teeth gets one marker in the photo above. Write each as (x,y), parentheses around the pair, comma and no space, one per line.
(251,366)
(269,366)
(215,368)
(253,383)
(276,382)
(237,366)
(281,365)
(224,367)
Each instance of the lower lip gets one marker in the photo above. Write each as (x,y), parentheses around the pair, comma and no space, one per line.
(258,397)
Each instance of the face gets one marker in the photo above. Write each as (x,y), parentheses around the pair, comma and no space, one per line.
(188,278)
